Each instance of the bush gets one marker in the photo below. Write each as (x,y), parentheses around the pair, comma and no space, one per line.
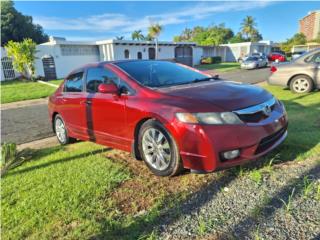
(211,60)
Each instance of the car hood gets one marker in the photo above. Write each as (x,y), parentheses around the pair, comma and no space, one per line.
(249,62)
(225,95)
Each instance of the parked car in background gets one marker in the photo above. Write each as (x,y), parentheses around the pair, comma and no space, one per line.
(257,54)
(170,115)
(277,57)
(297,54)
(302,74)
(254,62)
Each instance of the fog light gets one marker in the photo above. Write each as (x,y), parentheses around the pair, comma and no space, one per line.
(231,154)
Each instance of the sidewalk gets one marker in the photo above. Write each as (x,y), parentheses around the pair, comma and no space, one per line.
(39,144)
(25,103)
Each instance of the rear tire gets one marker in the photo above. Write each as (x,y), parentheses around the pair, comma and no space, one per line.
(301,84)
(158,149)
(61,131)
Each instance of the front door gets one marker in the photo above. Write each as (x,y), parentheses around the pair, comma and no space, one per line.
(152,53)
(72,108)
(49,68)
(105,114)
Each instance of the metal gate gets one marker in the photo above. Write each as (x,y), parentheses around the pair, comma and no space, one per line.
(7,68)
(183,54)
(152,53)
(49,68)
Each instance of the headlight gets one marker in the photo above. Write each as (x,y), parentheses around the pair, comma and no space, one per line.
(209,118)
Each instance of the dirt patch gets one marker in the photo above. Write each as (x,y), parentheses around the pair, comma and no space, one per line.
(143,190)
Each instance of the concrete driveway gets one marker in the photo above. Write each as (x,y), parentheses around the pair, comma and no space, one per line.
(29,123)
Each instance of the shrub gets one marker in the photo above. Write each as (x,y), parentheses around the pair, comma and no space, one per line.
(211,60)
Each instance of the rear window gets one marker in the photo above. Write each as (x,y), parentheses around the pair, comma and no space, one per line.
(160,73)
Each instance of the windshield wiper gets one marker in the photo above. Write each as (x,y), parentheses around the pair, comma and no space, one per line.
(205,79)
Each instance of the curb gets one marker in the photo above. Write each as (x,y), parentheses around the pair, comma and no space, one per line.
(39,144)
(25,103)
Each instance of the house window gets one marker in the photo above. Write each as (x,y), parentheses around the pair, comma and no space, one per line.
(7,68)
(139,55)
(79,50)
(126,54)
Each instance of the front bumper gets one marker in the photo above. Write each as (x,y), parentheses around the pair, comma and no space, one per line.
(201,145)
(250,66)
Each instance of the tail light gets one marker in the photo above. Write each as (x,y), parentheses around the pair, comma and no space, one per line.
(273,69)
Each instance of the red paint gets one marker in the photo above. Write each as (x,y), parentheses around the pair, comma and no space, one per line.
(272,57)
(111,119)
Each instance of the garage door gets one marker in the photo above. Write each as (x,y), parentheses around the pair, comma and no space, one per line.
(183,54)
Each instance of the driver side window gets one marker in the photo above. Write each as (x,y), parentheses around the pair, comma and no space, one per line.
(98,75)
(316,58)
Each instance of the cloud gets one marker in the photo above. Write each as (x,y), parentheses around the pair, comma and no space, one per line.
(122,24)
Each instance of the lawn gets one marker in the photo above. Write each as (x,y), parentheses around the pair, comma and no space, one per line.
(220,67)
(87,191)
(18,90)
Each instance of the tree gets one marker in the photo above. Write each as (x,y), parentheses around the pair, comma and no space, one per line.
(154,32)
(119,37)
(23,54)
(212,35)
(137,35)
(249,30)
(15,26)
(238,38)
(297,39)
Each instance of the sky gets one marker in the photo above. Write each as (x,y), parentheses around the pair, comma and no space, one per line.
(89,21)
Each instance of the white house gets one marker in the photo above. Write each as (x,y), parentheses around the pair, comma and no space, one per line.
(56,58)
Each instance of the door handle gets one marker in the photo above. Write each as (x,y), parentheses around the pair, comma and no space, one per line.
(86,102)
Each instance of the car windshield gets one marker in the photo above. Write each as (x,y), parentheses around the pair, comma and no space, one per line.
(161,73)
(252,59)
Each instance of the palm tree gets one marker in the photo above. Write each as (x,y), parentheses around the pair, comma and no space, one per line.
(154,32)
(137,35)
(248,26)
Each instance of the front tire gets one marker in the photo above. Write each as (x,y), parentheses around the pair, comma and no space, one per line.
(301,84)
(61,131)
(158,149)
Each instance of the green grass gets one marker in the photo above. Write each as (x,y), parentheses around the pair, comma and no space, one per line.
(19,90)
(220,67)
(61,193)
(304,122)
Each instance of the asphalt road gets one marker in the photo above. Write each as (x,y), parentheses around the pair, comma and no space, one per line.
(26,124)
(247,76)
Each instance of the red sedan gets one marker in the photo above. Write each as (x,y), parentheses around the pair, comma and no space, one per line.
(167,114)
(277,57)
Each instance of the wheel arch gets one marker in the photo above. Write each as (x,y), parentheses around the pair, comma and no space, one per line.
(54,114)
(299,74)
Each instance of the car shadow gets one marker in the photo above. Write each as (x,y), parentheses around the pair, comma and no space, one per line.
(44,152)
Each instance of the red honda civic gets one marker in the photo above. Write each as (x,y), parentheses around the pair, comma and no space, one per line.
(170,115)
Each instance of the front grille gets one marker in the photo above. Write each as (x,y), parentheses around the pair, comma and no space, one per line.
(258,112)
(268,141)
(253,117)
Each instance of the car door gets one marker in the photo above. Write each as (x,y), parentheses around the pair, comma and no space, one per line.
(316,61)
(312,67)
(72,110)
(105,113)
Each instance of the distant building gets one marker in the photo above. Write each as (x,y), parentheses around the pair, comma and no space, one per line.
(56,58)
(310,25)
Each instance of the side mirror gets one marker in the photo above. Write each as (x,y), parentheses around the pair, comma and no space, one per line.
(108,88)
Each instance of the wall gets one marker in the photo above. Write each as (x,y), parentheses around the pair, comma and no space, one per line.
(64,64)
(4,54)
(166,52)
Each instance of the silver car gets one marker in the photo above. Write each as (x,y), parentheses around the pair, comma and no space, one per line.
(302,74)
(253,62)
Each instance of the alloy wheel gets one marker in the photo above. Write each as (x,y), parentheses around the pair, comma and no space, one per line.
(156,149)
(301,85)
(60,130)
